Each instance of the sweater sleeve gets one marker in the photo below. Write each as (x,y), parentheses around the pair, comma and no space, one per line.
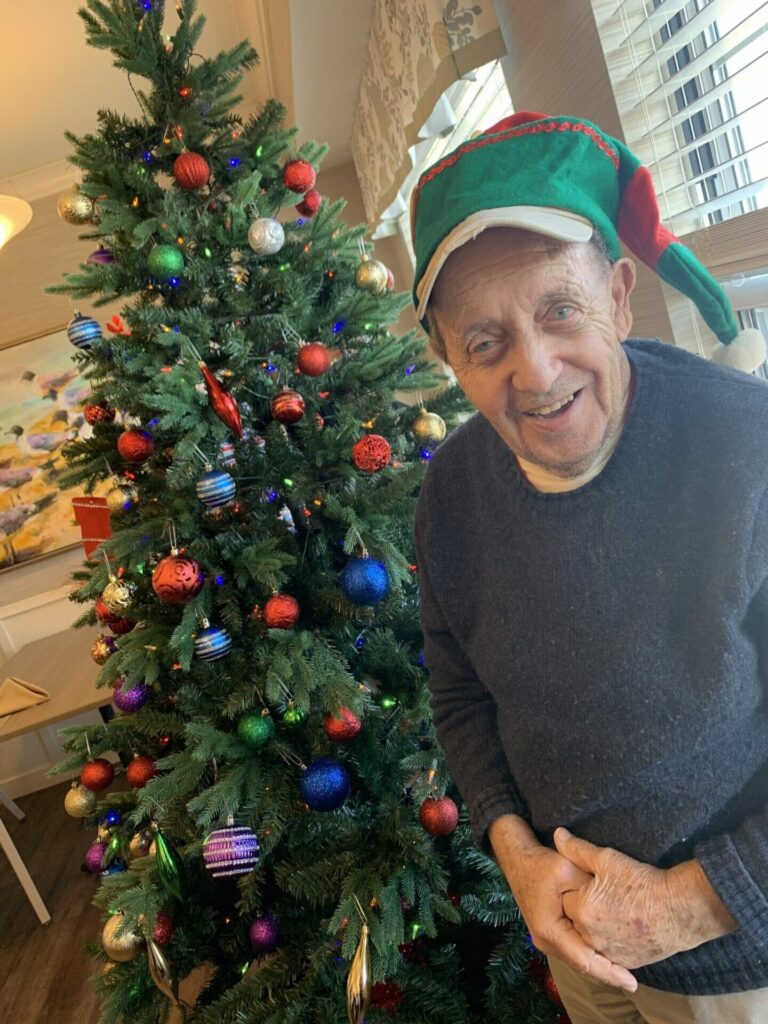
(464,711)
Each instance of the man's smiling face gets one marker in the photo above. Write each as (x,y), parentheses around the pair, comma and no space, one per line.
(533,331)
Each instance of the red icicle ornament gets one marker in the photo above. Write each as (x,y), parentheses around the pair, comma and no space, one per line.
(222,403)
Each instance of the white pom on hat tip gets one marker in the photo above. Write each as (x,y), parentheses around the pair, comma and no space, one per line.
(746,352)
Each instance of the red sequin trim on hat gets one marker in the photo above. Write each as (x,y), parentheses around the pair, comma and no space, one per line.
(527,129)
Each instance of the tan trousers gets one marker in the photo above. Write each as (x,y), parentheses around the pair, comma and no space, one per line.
(590,1002)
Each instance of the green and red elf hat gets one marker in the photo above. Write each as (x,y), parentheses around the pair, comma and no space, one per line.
(565,178)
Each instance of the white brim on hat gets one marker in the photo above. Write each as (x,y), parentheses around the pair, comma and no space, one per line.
(543,220)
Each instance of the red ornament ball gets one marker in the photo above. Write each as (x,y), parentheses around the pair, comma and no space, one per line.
(288,406)
(140,771)
(439,815)
(342,726)
(100,413)
(310,204)
(371,453)
(386,995)
(135,445)
(163,929)
(281,611)
(177,578)
(299,176)
(191,170)
(313,359)
(114,622)
(97,774)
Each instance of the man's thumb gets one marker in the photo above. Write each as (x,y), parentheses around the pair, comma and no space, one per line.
(577,851)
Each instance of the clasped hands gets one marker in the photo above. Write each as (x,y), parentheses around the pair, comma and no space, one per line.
(604,913)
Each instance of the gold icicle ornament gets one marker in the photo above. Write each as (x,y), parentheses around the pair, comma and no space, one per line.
(359,977)
(162,972)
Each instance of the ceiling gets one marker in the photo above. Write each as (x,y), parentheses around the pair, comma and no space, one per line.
(312,52)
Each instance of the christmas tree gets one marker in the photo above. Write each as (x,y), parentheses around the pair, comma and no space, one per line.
(287,842)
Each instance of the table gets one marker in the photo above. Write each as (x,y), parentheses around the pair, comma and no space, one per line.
(61,664)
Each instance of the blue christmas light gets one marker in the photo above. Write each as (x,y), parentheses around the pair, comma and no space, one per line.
(409,369)
(299,221)
(174,282)
(339,326)
(360,641)
(272,494)
(113,818)
(147,157)
(234,161)
(420,660)
(426,454)
(220,580)
(176,328)
(271,368)
(153,423)
(147,5)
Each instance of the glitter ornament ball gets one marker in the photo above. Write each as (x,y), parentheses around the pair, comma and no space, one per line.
(165,262)
(74,207)
(117,595)
(364,581)
(97,774)
(342,726)
(140,842)
(439,815)
(385,995)
(371,453)
(212,643)
(299,176)
(255,730)
(135,445)
(121,498)
(177,578)
(191,170)
(281,611)
(163,930)
(313,359)
(123,947)
(288,406)
(94,857)
(371,276)
(429,428)
(264,933)
(215,488)
(325,784)
(119,625)
(266,236)
(102,647)
(82,331)
(140,771)
(310,204)
(130,697)
(233,850)
(79,801)
(100,413)
(294,717)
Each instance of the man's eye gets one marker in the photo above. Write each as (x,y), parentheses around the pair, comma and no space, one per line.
(483,347)
(563,312)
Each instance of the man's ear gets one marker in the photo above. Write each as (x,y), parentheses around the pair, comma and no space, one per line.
(623,280)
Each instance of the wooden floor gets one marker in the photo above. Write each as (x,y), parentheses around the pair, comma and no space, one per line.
(44,971)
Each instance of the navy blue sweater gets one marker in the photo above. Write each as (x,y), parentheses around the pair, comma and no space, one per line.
(597,658)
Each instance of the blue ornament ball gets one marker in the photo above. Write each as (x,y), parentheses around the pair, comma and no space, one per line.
(215,488)
(364,581)
(212,643)
(82,331)
(325,785)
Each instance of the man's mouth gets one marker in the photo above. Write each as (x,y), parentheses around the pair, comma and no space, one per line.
(556,409)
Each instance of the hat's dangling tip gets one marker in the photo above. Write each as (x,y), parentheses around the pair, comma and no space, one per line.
(746,352)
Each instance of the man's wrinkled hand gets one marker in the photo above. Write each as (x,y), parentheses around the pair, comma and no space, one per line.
(637,914)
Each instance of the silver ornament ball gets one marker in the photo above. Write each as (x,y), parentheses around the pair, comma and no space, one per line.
(266,236)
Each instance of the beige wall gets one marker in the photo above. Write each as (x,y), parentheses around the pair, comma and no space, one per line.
(555,65)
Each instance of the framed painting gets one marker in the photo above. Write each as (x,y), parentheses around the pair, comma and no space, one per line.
(41,399)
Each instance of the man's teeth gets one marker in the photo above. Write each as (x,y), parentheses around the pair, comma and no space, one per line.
(545,410)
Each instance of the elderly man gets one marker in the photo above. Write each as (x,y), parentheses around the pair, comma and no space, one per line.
(593,554)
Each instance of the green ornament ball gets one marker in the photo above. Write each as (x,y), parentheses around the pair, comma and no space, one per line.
(294,717)
(165,262)
(255,729)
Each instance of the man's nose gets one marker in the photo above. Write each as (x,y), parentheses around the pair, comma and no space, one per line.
(534,363)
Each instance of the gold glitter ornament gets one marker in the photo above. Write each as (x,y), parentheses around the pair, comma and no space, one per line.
(117,595)
(102,647)
(429,428)
(79,801)
(74,207)
(124,947)
(371,276)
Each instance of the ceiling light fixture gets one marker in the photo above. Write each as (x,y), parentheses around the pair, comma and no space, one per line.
(15,214)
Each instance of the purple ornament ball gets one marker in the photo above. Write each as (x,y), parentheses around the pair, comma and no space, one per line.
(264,933)
(233,850)
(94,857)
(130,698)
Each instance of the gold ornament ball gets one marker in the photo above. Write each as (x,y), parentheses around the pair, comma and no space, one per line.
(121,498)
(117,596)
(429,428)
(79,801)
(101,648)
(74,207)
(140,843)
(371,276)
(121,948)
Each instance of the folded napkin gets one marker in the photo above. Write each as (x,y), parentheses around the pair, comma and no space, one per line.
(18,695)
